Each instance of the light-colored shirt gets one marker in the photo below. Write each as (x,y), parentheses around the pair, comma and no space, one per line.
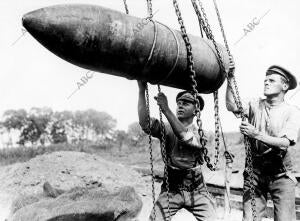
(281,120)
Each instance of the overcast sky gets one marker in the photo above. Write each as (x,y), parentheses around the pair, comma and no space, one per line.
(31,76)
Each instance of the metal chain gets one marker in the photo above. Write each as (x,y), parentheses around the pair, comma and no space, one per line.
(149,7)
(149,137)
(164,155)
(163,139)
(208,32)
(200,19)
(235,90)
(150,150)
(217,129)
(126,7)
(249,169)
(222,28)
(238,102)
(194,83)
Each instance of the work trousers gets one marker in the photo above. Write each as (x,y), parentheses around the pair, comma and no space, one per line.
(282,191)
(186,190)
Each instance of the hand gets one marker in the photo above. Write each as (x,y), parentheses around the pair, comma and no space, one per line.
(162,101)
(248,129)
(142,85)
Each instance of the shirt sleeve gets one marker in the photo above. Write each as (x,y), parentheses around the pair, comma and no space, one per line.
(155,128)
(291,129)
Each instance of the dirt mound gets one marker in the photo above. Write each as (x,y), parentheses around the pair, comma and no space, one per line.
(64,170)
(81,204)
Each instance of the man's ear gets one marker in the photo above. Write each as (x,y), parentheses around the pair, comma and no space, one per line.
(195,111)
(285,86)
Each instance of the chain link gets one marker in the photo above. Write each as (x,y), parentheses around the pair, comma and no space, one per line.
(149,137)
(192,76)
(194,83)
(163,139)
(149,7)
(217,129)
(206,27)
(126,7)
(150,150)
(249,170)
(237,99)
(164,155)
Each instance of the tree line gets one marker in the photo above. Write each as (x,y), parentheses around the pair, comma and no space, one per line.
(41,126)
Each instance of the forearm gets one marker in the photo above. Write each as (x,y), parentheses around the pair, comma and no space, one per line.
(277,143)
(181,132)
(177,126)
(230,103)
(142,109)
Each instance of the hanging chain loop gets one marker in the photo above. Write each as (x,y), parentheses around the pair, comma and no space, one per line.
(150,150)
(192,76)
(163,139)
(149,137)
(237,99)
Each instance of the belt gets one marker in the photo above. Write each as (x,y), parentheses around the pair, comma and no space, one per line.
(183,179)
(274,176)
(186,169)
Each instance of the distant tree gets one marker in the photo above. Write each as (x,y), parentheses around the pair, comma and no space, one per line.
(103,124)
(63,121)
(135,133)
(14,119)
(58,133)
(92,124)
(120,137)
(79,123)
(36,127)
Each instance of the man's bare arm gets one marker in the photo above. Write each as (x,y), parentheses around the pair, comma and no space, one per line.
(178,128)
(142,108)
(230,103)
(279,143)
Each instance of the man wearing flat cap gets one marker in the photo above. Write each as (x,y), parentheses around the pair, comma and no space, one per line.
(184,157)
(272,127)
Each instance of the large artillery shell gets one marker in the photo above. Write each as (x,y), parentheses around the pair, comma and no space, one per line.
(112,42)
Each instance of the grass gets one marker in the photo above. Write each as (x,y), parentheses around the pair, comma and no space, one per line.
(23,154)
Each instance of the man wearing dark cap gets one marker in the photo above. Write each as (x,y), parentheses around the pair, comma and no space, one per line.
(186,185)
(272,127)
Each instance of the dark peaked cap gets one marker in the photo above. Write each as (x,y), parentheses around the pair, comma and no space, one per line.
(291,79)
(188,96)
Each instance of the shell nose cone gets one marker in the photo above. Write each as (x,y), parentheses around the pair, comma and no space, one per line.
(30,21)
(33,21)
(26,20)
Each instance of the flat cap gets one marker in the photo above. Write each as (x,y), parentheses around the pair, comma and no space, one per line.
(291,79)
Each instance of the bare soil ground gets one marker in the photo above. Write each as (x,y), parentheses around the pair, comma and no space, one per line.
(68,169)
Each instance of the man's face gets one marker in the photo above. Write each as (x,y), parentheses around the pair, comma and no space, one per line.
(273,85)
(185,110)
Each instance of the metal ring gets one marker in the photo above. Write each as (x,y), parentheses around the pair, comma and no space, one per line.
(153,44)
(153,47)
(177,55)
